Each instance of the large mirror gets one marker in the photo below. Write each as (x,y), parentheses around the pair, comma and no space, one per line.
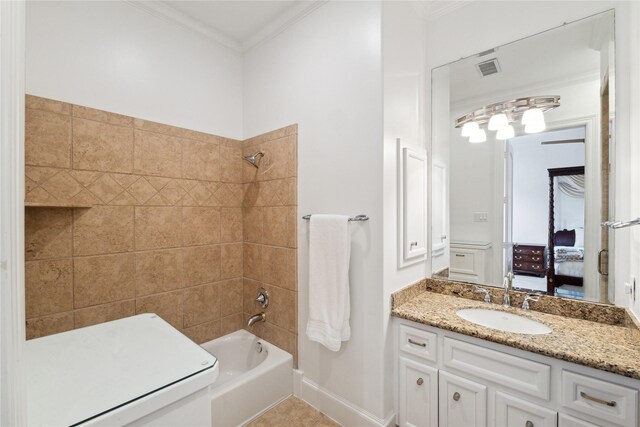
(522,140)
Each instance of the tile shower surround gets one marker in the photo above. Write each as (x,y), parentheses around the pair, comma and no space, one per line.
(178,224)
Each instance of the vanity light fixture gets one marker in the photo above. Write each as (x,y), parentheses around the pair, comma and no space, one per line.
(535,127)
(479,136)
(501,116)
(505,132)
(534,115)
(470,128)
(498,121)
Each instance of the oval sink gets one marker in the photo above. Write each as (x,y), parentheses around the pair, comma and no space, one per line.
(503,321)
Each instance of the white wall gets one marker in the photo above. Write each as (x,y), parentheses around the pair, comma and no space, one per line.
(324,73)
(403,56)
(531,181)
(116,57)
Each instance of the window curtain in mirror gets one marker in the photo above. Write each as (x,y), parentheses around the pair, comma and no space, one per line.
(572,185)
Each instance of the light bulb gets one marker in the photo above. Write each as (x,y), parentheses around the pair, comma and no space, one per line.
(505,132)
(469,129)
(535,127)
(498,121)
(532,116)
(479,136)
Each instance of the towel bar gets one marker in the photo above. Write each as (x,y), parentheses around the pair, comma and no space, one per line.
(621,224)
(356,218)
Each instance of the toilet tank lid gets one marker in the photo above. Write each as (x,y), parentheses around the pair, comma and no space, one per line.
(77,375)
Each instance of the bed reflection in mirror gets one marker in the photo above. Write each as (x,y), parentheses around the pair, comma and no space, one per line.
(521,140)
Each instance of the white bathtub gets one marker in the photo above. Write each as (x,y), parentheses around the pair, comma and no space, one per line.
(254,376)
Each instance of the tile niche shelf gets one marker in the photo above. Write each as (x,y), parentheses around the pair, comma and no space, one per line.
(55,205)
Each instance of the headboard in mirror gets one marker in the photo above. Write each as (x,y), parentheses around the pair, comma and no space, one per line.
(505,119)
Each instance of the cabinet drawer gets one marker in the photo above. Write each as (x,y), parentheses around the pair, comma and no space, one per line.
(463,262)
(512,412)
(565,420)
(419,343)
(528,266)
(537,259)
(528,251)
(596,398)
(522,375)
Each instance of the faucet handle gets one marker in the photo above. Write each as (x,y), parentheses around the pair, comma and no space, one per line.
(263,298)
(530,297)
(487,293)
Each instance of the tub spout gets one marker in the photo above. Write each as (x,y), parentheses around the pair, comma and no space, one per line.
(256,318)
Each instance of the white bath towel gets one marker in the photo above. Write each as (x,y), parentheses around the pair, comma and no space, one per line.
(329,251)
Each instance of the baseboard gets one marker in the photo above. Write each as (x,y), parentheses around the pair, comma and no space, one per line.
(335,406)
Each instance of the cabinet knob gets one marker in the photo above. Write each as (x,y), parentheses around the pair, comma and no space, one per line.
(420,381)
(529,424)
(456,396)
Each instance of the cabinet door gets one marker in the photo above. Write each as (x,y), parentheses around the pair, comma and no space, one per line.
(513,412)
(461,402)
(569,421)
(418,401)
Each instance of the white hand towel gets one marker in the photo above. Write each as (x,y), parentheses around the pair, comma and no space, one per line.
(329,251)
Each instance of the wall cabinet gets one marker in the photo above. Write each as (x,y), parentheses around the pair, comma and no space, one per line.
(452,380)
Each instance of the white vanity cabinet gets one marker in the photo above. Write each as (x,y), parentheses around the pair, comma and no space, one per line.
(461,402)
(418,394)
(446,379)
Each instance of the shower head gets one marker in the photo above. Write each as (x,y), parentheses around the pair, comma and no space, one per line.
(254,158)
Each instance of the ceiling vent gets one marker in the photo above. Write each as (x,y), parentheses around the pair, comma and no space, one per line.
(489,67)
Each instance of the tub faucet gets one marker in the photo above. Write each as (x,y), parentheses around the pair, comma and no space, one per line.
(508,284)
(256,318)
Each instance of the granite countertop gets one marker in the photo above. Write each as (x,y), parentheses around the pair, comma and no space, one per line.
(611,348)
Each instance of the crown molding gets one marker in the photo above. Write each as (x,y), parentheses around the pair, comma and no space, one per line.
(282,22)
(164,11)
(433,9)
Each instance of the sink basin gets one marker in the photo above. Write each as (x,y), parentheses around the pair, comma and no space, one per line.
(503,321)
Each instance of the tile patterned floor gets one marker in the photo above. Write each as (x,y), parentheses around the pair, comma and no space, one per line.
(293,412)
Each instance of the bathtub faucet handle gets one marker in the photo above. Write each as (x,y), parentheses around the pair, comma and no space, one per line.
(263,298)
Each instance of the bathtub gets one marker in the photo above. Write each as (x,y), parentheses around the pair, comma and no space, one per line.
(254,376)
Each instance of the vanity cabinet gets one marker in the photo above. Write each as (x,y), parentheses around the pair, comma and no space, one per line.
(418,394)
(446,379)
(462,402)
(565,420)
(511,411)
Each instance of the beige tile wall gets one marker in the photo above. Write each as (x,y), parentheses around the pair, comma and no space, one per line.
(163,233)
(270,218)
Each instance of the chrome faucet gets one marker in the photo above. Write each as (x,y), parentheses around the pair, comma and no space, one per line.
(527,298)
(487,294)
(256,318)
(508,284)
